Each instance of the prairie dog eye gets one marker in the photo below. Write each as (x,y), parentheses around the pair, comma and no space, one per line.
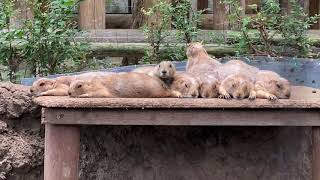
(159,66)
(170,66)
(79,86)
(279,86)
(233,85)
(186,85)
(42,84)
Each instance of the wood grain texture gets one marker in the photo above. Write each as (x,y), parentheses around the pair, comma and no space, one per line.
(301,97)
(62,147)
(92,14)
(315,153)
(220,16)
(183,117)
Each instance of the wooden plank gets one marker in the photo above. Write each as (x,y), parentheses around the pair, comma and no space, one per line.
(92,14)
(183,103)
(202,4)
(21,14)
(183,117)
(220,12)
(62,147)
(314,8)
(315,153)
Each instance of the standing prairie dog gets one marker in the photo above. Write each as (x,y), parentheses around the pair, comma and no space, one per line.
(124,85)
(60,85)
(199,60)
(165,71)
(186,84)
(270,85)
(237,86)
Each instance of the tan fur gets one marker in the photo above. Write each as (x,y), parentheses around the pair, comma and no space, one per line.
(144,69)
(199,60)
(124,85)
(270,85)
(60,85)
(235,67)
(209,85)
(237,86)
(165,71)
(186,84)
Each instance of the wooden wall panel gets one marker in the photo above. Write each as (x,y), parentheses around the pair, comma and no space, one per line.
(92,14)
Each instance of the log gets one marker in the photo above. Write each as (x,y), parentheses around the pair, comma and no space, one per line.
(138,49)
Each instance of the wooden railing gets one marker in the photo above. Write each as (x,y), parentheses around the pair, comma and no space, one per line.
(93,15)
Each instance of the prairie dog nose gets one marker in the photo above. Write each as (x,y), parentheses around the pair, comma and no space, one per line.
(163,71)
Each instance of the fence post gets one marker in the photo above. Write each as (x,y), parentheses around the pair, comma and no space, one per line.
(92,14)
(22,13)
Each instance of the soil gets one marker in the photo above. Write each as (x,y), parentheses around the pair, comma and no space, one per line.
(149,152)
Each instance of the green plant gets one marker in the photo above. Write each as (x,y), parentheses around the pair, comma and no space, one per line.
(274,29)
(50,36)
(157,29)
(186,20)
(10,54)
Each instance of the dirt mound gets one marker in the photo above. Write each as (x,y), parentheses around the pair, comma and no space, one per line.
(21,140)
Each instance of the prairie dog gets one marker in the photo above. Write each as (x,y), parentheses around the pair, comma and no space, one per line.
(60,85)
(209,85)
(199,60)
(237,86)
(235,67)
(270,85)
(124,85)
(186,84)
(165,71)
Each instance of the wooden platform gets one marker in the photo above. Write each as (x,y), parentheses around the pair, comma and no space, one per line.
(63,115)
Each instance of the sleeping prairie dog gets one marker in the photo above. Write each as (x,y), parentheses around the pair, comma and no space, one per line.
(186,84)
(60,85)
(209,85)
(270,85)
(165,71)
(199,60)
(237,86)
(125,85)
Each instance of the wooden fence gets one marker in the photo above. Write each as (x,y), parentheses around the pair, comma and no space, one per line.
(93,15)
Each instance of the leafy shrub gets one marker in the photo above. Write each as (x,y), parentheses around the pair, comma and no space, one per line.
(274,29)
(50,36)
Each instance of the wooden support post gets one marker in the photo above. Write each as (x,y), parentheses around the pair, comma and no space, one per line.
(92,14)
(314,8)
(316,153)
(220,12)
(22,13)
(62,146)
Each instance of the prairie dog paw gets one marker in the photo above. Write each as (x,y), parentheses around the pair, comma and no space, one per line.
(252,97)
(84,96)
(272,97)
(176,94)
(224,96)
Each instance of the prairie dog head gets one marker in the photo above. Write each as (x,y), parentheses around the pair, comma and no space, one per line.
(195,49)
(80,87)
(237,86)
(42,85)
(279,87)
(165,70)
(187,85)
(209,88)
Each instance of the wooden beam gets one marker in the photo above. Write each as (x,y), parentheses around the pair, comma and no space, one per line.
(22,13)
(220,12)
(314,8)
(62,147)
(92,14)
(315,153)
(183,117)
